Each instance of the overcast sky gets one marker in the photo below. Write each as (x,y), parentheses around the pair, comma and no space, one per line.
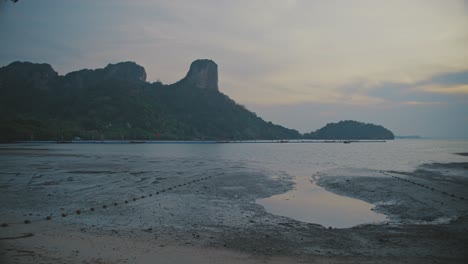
(302,64)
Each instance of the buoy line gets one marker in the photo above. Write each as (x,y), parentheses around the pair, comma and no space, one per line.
(106,206)
(423,186)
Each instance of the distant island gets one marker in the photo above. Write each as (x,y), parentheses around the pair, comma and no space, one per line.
(351,130)
(117,103)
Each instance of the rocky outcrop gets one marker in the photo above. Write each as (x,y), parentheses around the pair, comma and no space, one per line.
(128,70)
(80,79)
(36,75)
(203,74)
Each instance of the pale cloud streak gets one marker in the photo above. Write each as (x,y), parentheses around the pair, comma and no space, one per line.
(418,103)
(461,89)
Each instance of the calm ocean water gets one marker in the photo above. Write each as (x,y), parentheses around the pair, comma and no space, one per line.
(294,158)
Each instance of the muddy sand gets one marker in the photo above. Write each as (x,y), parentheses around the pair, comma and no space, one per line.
(60,210)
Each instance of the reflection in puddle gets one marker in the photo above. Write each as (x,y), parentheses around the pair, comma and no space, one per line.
(312,204)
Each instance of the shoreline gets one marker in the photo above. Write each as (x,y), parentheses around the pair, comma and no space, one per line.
(218,215)
(346,141)
(421,196)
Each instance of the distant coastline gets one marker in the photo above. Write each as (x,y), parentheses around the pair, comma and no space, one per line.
(193,141)
(410,137)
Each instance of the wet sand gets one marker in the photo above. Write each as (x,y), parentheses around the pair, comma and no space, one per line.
(141,217)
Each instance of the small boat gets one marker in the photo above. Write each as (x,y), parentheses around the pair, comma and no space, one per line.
(137,141)
(64,141)
(346,141)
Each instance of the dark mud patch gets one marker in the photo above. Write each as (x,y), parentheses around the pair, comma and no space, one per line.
(139,172)
(451,165)
(23,149)
(92,172)
(26,235)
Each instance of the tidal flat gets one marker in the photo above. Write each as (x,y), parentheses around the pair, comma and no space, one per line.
(126,204)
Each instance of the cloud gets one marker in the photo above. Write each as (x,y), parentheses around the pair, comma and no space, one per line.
(418,103)
(461,89)
(443,88)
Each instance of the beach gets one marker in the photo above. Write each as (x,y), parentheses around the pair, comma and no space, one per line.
(63,207)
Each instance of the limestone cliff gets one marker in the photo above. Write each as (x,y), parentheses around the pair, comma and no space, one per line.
(203,74)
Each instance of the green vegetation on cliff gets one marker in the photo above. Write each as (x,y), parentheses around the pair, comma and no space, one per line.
(117,103)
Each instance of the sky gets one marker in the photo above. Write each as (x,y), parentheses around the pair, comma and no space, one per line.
(301,64)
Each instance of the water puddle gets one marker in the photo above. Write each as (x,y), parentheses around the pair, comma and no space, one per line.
(310,203)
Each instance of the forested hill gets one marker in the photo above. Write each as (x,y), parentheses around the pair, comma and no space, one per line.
(350,130)
(117,102)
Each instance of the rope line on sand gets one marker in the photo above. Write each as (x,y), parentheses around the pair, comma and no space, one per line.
(423,186)
(105,206)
